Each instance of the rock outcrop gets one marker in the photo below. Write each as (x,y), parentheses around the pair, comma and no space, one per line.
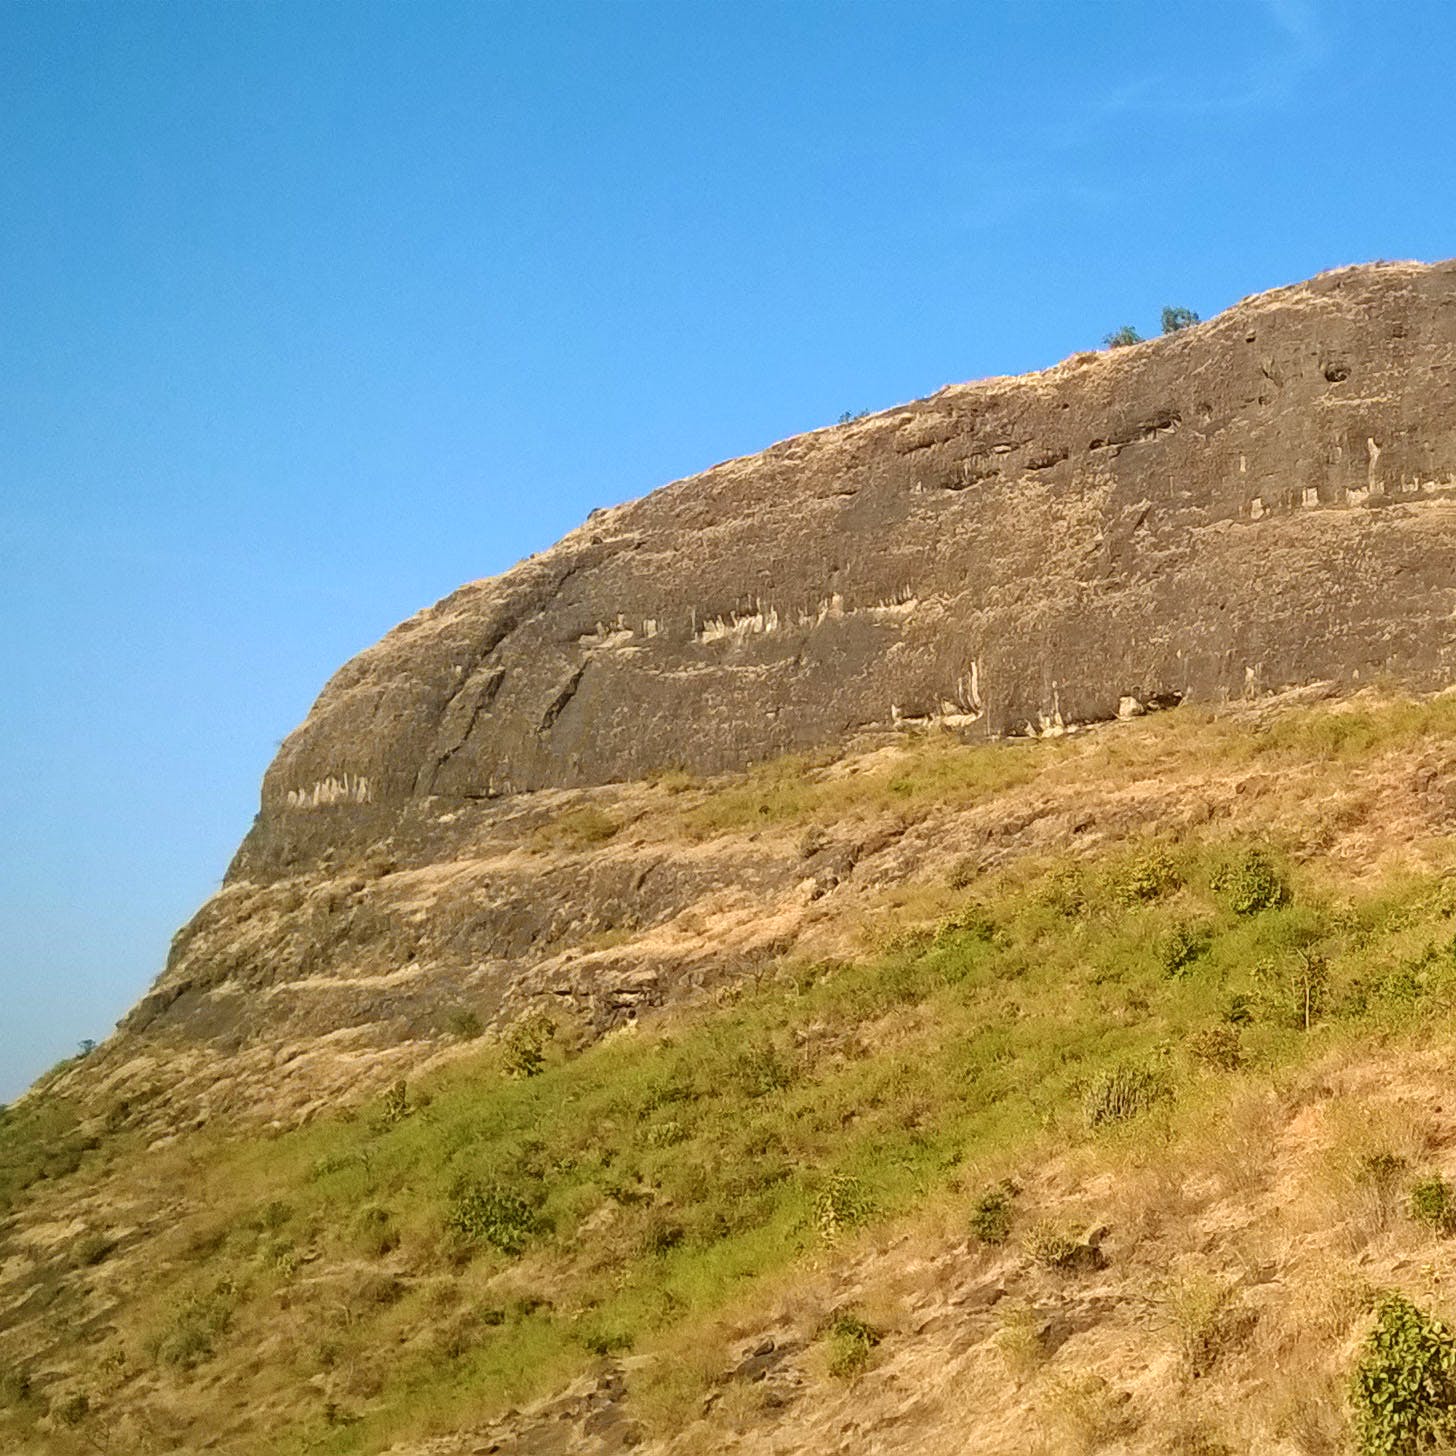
(1263,500)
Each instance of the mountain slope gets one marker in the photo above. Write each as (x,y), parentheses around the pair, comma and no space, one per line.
(1185,980)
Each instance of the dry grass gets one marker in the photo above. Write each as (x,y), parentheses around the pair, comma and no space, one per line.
(815,1142)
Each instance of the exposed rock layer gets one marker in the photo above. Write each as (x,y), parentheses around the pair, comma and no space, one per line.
(1260,501)
(1263,500)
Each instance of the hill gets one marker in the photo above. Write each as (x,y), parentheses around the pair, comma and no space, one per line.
(938,936)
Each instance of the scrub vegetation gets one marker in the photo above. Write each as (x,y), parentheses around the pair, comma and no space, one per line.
(1080,1037)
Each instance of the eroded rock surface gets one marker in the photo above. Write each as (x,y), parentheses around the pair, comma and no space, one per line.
(1261,501)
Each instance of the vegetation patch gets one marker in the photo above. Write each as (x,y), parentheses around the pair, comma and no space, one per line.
(1403,1394)
(1433,1203)
(991,1214)
(850,1340)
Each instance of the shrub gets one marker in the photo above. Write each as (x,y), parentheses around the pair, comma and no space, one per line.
(1432,1202)
(760,1069)
(1121,338)
(1297,993)
(1021,1340)
(666,1134)
(1145,879)
(1052,1245)
(395,1107)
(1177,319)
(1121,1092)
(374,1232)
(196,1326)
(850,1341)
(463,1024)
(1183,945)
(1207,1319)
(841,1205)
(271,1216)
(1064,891)
(661,1235)
(1403,1392)
(1238,1010)
(991,1214)
(489,1214)
(1250,884)
(1216,1046)
(578,829)
(525,1045)
(1380,1170)
(601,1341)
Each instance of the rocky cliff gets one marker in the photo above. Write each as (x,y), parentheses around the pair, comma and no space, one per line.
(1263,500)
(1259,501)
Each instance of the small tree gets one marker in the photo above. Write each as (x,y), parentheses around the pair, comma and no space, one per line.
(1175,319)
(1121,338)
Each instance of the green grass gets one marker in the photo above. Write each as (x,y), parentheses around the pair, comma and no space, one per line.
(40,1138)
(935,770)
(629,1192)
(473,1240)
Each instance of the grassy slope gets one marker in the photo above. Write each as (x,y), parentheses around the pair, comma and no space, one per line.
(337,1287)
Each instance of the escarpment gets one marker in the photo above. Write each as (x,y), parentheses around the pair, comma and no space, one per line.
(1261,501)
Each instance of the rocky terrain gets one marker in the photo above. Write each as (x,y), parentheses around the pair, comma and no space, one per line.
(673,993)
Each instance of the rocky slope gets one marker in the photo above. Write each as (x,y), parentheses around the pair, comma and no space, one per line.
(1261,501)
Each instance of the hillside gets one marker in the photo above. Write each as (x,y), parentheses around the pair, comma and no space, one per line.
(1099,1100)
(939,936)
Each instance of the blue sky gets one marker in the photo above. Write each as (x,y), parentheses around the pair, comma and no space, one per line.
(310,312)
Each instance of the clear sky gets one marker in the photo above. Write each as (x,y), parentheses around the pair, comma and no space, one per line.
(310,312)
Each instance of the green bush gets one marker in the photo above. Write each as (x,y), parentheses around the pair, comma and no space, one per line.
(395,1107)
(490,1214)
(760,1069)
(1251,883)
(197,1324)
(374,1232)
(841,1205)
(1052,1245)
(1175,320)
(1183,945)
(1121,338)
(525,1045)
(602,1341)
(1297,993)
(850,1340)
(1433,1202)
(1147,878)
(1121,1092)
(1216,1046)
(991,1214)
(463,1024)
(1403,1393)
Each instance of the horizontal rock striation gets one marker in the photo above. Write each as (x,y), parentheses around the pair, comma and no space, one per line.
(1263,500)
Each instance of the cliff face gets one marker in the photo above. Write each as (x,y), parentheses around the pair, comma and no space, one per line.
(1260,501)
